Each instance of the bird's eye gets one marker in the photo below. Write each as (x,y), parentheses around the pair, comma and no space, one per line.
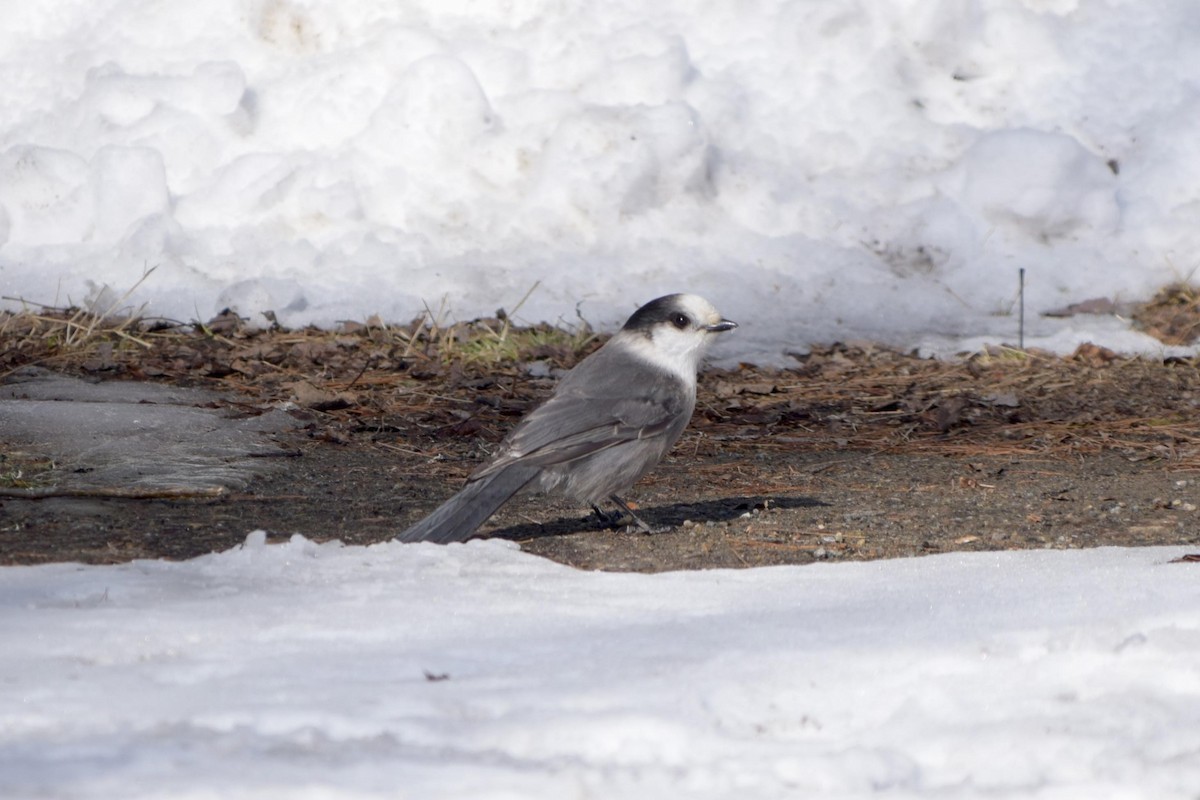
(680,321)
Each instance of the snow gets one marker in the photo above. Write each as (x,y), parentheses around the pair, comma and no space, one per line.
(820,171)
(300,670)
(835,170)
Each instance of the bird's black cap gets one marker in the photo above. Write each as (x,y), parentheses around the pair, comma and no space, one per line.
(656,312)
(681,311)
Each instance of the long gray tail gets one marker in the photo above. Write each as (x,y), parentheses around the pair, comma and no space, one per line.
(457,518)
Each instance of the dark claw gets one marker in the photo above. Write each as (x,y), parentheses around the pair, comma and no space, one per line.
(607,520)
(613,520)
(638,521)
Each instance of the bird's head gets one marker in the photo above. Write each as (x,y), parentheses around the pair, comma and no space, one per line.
(673,331)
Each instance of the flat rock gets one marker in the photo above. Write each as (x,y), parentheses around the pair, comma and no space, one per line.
(131,435)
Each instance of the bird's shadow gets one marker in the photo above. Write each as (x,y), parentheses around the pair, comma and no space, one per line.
(665,516)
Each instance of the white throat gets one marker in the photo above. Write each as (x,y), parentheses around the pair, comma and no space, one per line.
(675,352)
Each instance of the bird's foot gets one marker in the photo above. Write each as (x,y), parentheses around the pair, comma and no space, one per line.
(615,519)
(608,519)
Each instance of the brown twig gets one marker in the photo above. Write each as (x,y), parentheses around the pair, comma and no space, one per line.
(116,492)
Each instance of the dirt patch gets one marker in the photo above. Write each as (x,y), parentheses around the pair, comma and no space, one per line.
(855,453)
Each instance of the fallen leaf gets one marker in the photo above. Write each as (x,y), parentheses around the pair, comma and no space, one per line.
(310,396)
(1093,354)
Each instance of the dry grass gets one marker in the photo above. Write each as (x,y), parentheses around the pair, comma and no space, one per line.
(430,384)
(1037,405)
(76,339)
(1172,316)
(74,329)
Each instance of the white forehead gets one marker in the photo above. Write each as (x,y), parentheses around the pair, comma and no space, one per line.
(698,308)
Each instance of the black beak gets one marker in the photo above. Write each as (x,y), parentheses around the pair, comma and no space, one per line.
(723,325)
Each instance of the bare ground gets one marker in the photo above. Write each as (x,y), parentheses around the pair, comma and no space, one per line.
(857,452)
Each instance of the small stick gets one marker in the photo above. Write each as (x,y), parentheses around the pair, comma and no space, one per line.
(1021,306)
(116,492)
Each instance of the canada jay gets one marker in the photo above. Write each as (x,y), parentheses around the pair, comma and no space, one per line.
(609,422)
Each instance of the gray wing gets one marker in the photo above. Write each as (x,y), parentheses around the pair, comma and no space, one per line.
(603,402)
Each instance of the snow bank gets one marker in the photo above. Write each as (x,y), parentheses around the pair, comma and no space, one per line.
(307,670)
(825,170)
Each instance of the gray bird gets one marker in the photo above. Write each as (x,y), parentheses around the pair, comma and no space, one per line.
(609,422)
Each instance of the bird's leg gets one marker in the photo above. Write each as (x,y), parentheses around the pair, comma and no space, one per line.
(613,519)
(606,519)
(641,525)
